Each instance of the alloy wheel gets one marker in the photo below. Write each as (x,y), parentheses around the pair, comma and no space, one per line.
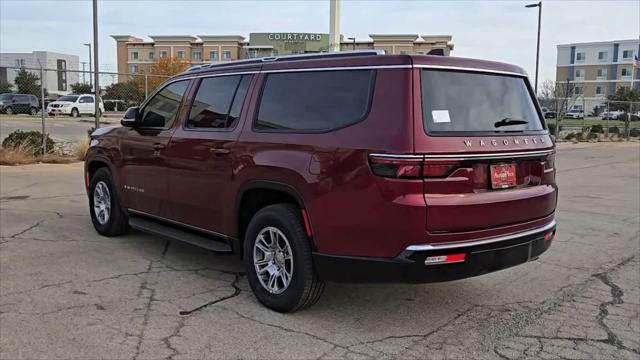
(102,202)
(273,260)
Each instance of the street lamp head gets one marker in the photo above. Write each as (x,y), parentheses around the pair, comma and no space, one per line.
(532,5)
(87,44)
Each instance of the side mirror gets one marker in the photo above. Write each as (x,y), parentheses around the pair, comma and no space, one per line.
(131,117)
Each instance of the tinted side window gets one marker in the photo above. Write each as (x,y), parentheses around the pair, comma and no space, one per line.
(86,99)
(22,98)
(315,101)
(162,109)
(212,106)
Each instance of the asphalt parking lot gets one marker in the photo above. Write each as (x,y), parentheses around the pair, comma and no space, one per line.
(66,292)
(59,128)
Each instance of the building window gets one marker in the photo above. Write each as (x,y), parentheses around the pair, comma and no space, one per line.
(603,55)
(134,55)
(134,68)
(577,90)
(580,57)
(213,55)
(579,74)
(404,52)
(626,73)
(226,55)
(599,91)
(61,65)
(602,74)
(151,55)
(163,54)
(253,53)
(182,54)
(627,54)
(196,55)
(20,63)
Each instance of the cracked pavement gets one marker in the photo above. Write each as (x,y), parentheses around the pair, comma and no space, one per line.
(68,293)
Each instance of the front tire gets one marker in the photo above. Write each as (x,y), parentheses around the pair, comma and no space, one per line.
(107,215)
(277,257)
(75,113)
(8,110)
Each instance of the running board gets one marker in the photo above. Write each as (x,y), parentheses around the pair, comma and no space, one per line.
(173,233)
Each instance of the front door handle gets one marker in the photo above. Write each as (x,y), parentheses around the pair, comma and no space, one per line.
(219,151)
(158,147)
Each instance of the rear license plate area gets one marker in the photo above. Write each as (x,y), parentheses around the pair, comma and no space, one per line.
(503,176)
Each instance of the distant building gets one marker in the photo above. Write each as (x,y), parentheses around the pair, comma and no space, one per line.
(597,69)
(135,55)
(57,81)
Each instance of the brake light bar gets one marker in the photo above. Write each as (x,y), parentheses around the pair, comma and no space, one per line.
(445,259)
(410,166)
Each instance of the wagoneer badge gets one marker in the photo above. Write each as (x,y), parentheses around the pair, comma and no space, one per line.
(504,142)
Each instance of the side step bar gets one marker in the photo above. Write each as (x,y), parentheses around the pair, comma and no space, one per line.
(174,233)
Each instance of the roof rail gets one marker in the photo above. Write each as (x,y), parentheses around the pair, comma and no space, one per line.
(323,55)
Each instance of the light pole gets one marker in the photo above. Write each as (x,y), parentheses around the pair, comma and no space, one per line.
(84,79)
(539,6)
(354,42)
(90,81)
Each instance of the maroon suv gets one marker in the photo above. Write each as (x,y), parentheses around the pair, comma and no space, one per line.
(335,167)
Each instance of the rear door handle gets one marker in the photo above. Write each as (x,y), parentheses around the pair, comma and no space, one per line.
(219,151)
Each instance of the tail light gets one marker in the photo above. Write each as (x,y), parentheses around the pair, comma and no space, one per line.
(410,166)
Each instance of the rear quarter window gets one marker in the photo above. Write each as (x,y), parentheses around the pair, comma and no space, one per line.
(464,102)
(314,101)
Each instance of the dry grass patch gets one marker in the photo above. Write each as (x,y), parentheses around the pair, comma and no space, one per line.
(22,156)
(81,148)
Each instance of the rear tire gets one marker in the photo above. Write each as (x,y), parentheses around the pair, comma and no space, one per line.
(107,215)
(33,111)
(304,286)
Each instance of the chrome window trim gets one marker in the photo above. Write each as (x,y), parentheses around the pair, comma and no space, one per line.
(180,224)
(462,68)
(486,156)
(425,247)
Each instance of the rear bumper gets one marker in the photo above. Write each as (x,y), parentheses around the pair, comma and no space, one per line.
(481,256)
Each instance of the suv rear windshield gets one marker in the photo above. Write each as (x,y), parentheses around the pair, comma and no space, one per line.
(463,102)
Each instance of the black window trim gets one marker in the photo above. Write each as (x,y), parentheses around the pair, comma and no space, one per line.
(536,105)
(265,75)
(146,102)
(193,98)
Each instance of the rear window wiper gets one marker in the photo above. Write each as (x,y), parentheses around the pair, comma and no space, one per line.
(509,121)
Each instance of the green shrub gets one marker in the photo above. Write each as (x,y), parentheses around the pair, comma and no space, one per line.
(592,136)
(552,128)
(597,129)
(634,132)
(109,105)
(28,141)
(614,130)
(121,106)
(570,136)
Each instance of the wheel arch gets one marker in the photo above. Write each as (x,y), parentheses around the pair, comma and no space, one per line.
(269,192)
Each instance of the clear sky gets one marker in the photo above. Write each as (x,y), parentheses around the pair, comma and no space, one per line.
(494,30)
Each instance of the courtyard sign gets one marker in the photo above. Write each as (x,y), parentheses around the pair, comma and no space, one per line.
(294,37)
